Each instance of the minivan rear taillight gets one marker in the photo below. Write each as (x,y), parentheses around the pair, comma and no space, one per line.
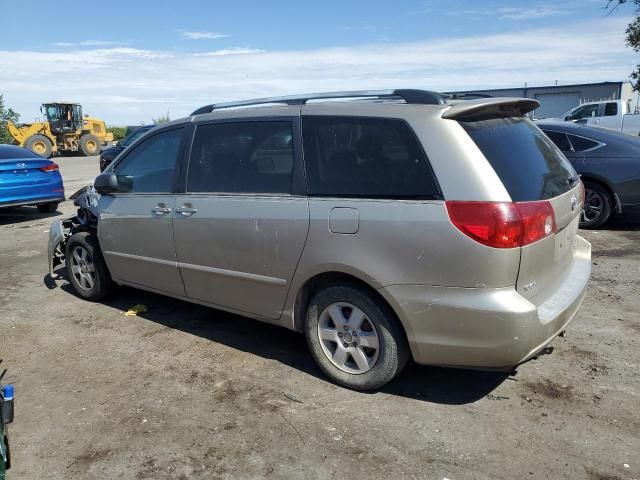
(503,224)
(52,167)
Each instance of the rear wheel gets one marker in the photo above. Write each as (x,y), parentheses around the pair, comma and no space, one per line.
(86,269)
(89,145)
(597,206)
(48,207)
(354,337)
(40,145)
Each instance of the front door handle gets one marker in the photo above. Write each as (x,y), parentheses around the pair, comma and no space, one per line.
(186,210)
(160,210)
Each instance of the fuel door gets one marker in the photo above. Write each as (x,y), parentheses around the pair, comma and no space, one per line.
(344,220)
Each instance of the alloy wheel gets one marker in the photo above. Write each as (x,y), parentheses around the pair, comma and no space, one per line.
(83,268)
(593,206)
(348,338)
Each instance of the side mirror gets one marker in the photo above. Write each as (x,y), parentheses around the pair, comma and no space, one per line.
(106,183)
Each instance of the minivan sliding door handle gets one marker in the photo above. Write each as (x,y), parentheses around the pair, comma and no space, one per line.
(186,211)
(160,210)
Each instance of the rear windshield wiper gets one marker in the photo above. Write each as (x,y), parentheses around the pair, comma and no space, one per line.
(571,181)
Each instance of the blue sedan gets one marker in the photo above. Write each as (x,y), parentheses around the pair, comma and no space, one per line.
(28,179)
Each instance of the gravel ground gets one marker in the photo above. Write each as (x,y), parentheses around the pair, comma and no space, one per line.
(183,391)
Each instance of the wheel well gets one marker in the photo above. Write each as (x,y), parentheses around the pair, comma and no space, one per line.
(617,206)
(322,280)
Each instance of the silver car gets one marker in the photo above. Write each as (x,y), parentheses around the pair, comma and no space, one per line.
(385,225)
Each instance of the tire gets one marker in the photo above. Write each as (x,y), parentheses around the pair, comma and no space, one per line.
(358,367)
(40,145)
(48,207)
(90,145)
(86,270)
(597,206)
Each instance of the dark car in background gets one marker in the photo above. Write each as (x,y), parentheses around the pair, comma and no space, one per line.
(26,178)
(608,163)
(108,154)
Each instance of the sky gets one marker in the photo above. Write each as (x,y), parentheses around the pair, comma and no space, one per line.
(130,61)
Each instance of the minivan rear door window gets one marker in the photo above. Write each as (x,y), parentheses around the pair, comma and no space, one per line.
(529,165)
(242,157)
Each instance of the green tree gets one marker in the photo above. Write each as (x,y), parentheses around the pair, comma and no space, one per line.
(6,115)
(165,118)
(632,34)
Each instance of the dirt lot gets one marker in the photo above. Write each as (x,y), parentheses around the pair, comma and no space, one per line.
(183,391)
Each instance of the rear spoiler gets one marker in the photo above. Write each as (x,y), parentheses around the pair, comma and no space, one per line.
(491,108)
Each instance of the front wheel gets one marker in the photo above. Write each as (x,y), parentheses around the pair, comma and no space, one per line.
(355,338)
(86,269)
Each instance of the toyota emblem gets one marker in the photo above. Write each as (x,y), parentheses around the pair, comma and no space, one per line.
(574,203)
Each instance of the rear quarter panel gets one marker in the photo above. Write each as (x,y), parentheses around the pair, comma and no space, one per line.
(401,242)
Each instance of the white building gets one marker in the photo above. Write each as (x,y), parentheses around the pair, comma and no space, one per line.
(557,99)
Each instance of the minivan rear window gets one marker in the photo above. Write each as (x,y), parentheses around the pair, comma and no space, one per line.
(530,166)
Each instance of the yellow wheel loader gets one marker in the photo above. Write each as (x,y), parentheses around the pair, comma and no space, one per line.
(65,130)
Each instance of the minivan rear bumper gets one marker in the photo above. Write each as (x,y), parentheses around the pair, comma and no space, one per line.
(493,328)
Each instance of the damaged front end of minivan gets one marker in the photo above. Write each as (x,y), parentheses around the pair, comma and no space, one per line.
(86,220)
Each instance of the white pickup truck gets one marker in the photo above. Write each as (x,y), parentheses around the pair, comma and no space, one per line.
(613,114)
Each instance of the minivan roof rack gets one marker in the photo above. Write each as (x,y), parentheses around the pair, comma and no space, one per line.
(423,97)
(465,96)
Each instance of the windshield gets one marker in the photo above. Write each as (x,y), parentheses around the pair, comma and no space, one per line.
(133,136)
(52,113)
(583,111)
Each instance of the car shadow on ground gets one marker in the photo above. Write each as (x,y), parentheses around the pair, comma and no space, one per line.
(628,221)
(14,215)
(429,384)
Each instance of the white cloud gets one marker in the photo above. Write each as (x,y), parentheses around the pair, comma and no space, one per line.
(229,51)
(96,43)
(526,13)
(534,13)
(128,85)
(187,35)
(85,43)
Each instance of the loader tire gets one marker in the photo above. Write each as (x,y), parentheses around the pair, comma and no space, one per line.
(89,145)
(40,145)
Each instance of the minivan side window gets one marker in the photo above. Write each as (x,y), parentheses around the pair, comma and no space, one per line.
(242,157)
(365,157)
(150,167)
